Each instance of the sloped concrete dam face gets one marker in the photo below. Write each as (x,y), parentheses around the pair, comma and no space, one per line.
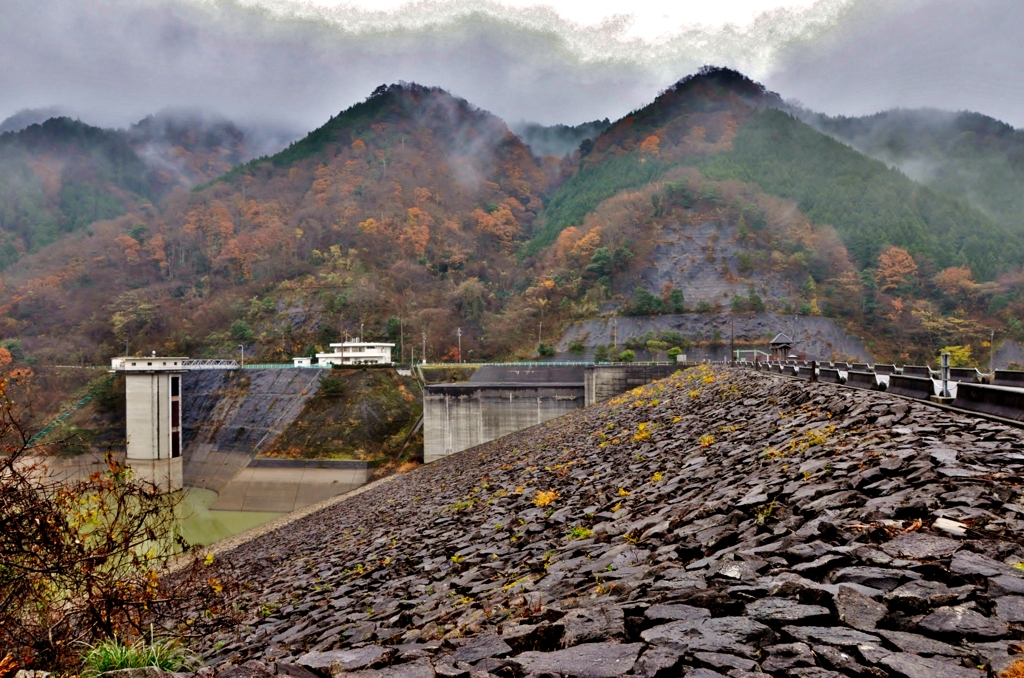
(459,416)
(228,416)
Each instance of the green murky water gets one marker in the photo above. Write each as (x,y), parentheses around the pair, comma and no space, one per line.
(200,525)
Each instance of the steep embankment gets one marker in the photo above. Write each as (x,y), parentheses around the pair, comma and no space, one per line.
(229,417)
(726,520)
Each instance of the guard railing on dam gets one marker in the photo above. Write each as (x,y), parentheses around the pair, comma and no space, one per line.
(1003,398)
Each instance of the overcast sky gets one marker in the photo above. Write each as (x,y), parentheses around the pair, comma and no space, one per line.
(114,61)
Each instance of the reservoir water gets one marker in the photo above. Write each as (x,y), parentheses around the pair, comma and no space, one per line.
(200,525)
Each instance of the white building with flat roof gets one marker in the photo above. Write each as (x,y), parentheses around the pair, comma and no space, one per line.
(357,353)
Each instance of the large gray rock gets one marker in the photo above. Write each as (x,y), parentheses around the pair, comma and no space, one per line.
(974,564)
(963,622)
(857,610)
(830,635)
(920,546)
(1010,608)
(591,660)
(785,611)
(738,635)
(590,624)
(881,578)
(337,661)
(787,656)
(920,596)
(664,613)
(917,644)
(912,666)
(481,647)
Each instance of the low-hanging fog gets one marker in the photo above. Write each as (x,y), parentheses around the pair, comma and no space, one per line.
(292,64)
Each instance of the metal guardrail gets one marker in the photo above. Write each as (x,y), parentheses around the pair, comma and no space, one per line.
(201,364)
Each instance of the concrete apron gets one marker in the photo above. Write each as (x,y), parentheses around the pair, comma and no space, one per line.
(286,489)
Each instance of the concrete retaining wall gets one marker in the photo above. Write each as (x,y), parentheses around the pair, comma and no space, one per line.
(921,388)
(866,380)
(1013,378)
(995,400)
(965,374)
(607,381)
(459,416)
(282,485)
(829,375)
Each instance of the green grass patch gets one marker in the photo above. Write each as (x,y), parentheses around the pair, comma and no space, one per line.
(114,654)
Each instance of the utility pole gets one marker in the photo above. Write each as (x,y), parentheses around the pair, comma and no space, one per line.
(360,333)
(459,334)
(424,348)
(401,335)
(615,326)
(241,347)
(732,338)
(992,353)
(540,332)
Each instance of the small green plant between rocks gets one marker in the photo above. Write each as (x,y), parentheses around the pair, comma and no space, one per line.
(113,654)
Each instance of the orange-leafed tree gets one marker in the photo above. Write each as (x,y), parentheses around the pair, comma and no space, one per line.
(651,145)
(956,282)
(896,269)
(130,246)
(416,233)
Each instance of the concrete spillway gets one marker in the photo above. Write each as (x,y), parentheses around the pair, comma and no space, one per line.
(229,415)
(460,416)
(503,399)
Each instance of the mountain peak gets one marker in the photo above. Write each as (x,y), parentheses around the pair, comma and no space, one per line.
(710,79)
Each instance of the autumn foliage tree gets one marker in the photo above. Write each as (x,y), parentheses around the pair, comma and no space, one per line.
(956,282)
(896,269)
(86,559)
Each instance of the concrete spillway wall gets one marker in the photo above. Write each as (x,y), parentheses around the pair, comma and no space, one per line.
(459,416)
(228,416)
(500,400)
(607,381)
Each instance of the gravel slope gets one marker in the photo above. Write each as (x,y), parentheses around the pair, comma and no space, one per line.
(716,523)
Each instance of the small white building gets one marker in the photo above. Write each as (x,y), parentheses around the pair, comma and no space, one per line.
(302,362)
(357,353)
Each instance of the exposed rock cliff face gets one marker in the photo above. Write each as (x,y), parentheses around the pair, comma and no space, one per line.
(818,337)
(716,523)
(228,417)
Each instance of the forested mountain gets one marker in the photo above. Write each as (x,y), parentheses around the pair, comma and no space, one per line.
(966,155)
(414,213)
(903,264)
(404,211)
(60,176)
(31,116)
